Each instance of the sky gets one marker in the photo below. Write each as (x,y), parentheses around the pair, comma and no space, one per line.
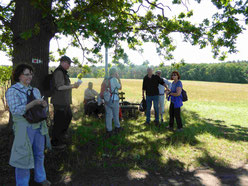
(190,54)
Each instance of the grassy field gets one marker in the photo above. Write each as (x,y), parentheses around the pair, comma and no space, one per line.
(215,119)
(215,136)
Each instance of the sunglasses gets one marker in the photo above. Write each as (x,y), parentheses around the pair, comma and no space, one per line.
(28,75)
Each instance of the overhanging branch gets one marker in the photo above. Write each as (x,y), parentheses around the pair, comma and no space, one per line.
(6,7)
(5,22)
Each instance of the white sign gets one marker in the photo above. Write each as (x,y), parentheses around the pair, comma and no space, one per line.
(36,61)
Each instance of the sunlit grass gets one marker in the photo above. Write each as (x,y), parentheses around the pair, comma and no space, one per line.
(215,119)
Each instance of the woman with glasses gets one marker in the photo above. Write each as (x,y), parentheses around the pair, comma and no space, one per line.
(176,101)
(28,147)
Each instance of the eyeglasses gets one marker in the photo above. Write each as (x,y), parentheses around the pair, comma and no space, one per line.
(173,75)
(28,75)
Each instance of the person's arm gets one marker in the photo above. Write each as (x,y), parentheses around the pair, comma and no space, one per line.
(35,102)
(178,93)
(15,103)
(162,82)
(94,92)
(119,81)
(59,80)
(178,89)
(143,88)
(168,83)
(165,86)
(67,87)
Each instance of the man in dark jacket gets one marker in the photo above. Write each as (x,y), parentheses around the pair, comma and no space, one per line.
(150,86)
(61,100)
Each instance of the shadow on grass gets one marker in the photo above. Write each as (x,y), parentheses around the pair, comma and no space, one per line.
(134,157)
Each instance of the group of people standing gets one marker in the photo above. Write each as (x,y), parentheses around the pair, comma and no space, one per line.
(30,139)
(156,90)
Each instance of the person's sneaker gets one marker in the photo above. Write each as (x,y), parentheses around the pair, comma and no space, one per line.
(162,121)
(45,183)
(59,146)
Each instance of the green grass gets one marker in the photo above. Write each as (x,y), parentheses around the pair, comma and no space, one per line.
(215,133)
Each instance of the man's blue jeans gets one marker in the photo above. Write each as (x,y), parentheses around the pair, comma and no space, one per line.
(38,144)
(149,100)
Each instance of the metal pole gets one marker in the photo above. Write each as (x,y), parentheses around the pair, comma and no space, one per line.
(106,61)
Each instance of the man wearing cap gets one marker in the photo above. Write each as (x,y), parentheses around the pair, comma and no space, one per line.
(61,100)
(161,90)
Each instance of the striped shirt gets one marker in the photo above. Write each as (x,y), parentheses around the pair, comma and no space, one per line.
(17,100)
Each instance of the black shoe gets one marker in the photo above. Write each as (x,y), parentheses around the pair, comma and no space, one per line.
(117,130)
(59,146)
(170,128)
(179,130)
(156,123)
(109,134)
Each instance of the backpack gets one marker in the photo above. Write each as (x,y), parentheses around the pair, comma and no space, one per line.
(35,114)
(184,95)
(106,90)
(48,85)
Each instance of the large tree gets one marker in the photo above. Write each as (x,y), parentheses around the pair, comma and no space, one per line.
(27,27)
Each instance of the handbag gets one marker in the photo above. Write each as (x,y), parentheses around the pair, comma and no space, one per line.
(142,106)
(184,95)
(35,114)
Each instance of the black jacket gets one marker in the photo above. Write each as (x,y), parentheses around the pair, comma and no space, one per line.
(150,85)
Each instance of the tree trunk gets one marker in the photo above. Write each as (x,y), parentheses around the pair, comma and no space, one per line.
(28,18)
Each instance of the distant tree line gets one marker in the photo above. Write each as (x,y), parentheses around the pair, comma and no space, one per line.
(232,72)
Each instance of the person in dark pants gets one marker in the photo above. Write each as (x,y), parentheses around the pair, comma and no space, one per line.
(176,101)
(150,86)
(61,100)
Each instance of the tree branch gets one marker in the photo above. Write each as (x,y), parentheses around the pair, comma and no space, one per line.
(5,22)
(81,46)
(137,9)
(3,8)
(157,6)
(185,4)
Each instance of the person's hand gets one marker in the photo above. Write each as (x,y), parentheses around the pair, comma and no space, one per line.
(44,103)
(75,85)
(37,102)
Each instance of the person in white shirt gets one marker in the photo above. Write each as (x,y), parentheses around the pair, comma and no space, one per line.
(90,93)
(112,107)
(161,89)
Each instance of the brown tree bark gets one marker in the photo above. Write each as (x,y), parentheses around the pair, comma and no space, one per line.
(26,18)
